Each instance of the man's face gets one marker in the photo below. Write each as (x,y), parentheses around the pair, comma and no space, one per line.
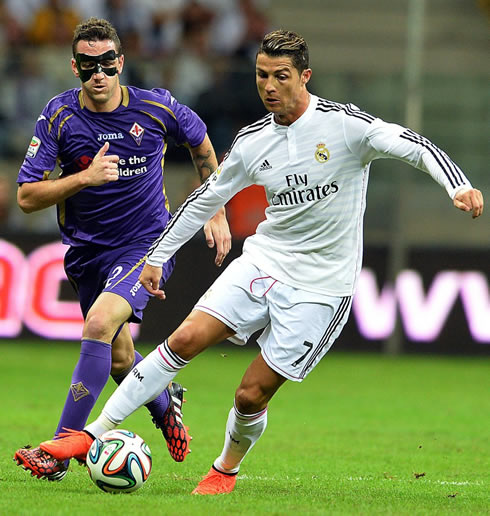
(281,87)
(100,88)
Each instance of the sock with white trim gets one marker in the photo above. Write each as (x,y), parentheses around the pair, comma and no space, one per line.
(242,432)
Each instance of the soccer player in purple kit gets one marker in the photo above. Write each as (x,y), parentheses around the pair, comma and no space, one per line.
(110,142)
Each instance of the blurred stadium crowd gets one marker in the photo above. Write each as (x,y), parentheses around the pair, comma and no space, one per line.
(203,52)
(183,45)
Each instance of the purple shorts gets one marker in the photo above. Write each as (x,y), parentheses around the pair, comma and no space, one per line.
(94,269)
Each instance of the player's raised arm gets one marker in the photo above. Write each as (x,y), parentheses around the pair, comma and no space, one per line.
(38,195)
(216,230)
(374,138)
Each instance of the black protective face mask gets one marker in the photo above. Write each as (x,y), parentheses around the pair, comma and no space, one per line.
(86,73)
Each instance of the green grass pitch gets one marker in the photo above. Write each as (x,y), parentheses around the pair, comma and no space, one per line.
(363,434)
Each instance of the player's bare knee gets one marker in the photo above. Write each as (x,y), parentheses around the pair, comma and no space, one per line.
(250,399)
(97,326)
(184,339)
(101,326)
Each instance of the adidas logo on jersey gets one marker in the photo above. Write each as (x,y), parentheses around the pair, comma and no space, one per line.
(265,166)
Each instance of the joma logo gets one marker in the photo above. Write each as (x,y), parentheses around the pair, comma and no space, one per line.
(109,136)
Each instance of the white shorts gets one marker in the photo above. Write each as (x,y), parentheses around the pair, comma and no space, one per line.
(299,327)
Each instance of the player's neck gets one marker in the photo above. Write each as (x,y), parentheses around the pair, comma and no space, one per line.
(290,117)
(103,107)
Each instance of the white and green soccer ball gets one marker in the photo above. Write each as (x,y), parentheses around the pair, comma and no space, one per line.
(119,461)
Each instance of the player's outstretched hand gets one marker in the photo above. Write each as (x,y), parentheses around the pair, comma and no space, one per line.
(470,200)
(103,168)
(217,232)
(150,278)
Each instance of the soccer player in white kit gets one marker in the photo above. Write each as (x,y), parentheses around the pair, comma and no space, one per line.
(297,274)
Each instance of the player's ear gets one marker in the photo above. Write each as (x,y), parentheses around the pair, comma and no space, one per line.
(74,67)
(120,65)
(305,76)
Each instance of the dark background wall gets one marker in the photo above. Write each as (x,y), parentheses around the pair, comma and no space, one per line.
(431,297)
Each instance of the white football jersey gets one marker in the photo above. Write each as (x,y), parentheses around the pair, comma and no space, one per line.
(315,174)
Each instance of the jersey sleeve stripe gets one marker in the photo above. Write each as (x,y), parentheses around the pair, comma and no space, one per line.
(193,196)
(356,112)
(326,106)
(158,104)
(157,120)
(250,129)
(53,117)
(62,123)
(457,171)
(450,169)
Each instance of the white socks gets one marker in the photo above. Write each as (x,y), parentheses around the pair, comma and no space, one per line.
(242,432)
(143,384)
(148,379)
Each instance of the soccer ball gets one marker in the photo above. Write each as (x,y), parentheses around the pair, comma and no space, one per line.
(119,461)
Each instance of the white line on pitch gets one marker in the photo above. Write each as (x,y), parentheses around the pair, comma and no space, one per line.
(370,479)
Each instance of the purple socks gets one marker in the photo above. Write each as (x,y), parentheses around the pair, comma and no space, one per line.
(88,380)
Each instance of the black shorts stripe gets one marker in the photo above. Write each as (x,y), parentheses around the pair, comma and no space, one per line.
(334,323)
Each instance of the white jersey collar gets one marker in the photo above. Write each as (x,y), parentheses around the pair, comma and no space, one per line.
(303,119)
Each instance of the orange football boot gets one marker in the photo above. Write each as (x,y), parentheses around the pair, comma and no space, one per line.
(216,482)
(71,444)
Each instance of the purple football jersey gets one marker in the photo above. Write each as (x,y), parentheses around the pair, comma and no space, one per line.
(134,207)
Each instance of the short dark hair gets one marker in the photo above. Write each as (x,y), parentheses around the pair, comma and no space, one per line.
(284,42)
(95,29)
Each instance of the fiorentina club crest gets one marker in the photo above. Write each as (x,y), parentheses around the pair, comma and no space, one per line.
(137,133)
(78,391)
